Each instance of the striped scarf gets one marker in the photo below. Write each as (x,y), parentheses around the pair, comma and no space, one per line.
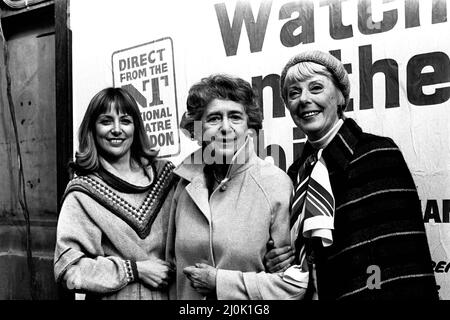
(312,205)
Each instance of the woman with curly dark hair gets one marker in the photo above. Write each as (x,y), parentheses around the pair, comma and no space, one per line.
(229,203)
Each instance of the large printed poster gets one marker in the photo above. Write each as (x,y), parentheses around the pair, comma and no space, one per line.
(396,53)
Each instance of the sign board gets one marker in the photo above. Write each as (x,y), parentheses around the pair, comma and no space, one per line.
(147,71)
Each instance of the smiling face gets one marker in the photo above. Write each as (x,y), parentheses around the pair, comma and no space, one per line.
(114,132)
(224,127)
(313,103)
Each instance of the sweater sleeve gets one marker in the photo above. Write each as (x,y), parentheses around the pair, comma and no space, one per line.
(262,285)
(78,246)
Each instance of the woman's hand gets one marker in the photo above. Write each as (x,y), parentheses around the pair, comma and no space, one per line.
(278,259)
(202,278)
(155,272)
(73,278)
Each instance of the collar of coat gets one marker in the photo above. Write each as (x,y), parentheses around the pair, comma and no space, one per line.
(194,165)
(339,151)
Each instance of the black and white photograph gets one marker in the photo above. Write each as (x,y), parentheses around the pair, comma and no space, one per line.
(228,158)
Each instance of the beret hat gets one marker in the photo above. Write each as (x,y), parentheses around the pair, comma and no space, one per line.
(334,66)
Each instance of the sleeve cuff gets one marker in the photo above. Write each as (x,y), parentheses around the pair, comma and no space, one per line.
(251,282)
(236,285)
(131,271)
(224,284)
(65,260)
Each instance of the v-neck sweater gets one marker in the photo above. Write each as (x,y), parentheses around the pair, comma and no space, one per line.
(90,232)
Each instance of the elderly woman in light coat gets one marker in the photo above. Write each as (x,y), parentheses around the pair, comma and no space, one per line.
(229,203)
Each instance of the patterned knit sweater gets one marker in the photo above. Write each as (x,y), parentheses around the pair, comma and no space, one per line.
(103,231)
(378,223)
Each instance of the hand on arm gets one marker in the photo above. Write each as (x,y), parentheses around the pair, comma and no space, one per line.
(155,272)
(202,278)
(73,278)
(278,259)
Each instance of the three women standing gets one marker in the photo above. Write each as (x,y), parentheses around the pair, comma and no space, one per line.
(354,208)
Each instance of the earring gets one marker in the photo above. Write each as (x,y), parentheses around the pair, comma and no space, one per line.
(251,133)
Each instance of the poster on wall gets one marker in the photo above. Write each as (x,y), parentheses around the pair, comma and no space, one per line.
(147,71)
(396,53)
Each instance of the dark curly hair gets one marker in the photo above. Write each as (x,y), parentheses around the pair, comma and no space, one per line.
(225,87)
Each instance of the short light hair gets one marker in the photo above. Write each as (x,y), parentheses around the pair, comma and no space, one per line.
(304,70)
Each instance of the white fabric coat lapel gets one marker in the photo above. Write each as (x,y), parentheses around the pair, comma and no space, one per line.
(198,192)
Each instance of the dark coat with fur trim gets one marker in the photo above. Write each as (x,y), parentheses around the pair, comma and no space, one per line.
(378,222)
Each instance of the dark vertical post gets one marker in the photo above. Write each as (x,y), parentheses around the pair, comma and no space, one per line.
(64,132)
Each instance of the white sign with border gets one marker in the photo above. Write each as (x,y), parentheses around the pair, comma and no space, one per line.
(147,71)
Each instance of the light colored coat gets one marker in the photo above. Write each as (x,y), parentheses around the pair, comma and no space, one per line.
(230,231)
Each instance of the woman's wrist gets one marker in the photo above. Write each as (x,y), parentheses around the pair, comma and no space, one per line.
(135,270)
(131,270)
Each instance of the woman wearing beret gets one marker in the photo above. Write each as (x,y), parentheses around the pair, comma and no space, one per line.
(356,217)
(112,227)
(228,203)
